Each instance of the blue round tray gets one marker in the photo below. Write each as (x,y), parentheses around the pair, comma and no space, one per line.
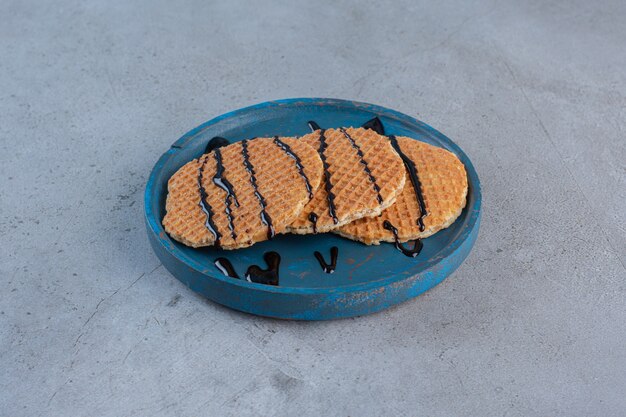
(367,278)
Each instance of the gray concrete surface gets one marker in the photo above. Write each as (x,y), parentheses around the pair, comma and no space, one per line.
(533,324)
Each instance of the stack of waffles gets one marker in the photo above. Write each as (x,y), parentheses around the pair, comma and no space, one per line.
(356,182)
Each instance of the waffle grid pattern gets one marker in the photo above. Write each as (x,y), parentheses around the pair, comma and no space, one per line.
(278,181)
(444,185)
(354,191)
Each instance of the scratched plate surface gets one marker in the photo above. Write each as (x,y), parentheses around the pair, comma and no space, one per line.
(367,278)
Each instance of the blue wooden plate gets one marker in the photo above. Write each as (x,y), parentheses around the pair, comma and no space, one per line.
(367,278)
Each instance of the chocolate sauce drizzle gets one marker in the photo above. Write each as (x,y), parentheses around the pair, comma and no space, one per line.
(254,273)
(328,185)
(224,184)
(328,268)
(313,219)
(265,217)
(206,207)
(226,267)
(313,125)
(282,145)
(417,186)
(417,246)
(267,276)
(376,125)
(364,163)
(216,142)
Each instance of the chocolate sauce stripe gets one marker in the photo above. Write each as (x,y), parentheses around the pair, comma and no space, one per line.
(376,125)
(266,219)
(224,184)
(328,185)
(205,206)
(313,219)
(364,163)
(413,175)
(287,149)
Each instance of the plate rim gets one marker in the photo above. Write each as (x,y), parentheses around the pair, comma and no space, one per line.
(156,227)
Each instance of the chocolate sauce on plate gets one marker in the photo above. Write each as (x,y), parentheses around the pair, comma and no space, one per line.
(313,125)
(216,142)
(267,276)
(328,268)
(376,125)
(226,267)
(254,273)
(417,246)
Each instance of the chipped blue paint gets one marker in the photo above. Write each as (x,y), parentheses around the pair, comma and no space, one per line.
(367,279)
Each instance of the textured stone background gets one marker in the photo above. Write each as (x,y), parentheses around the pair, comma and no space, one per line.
(534,322)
